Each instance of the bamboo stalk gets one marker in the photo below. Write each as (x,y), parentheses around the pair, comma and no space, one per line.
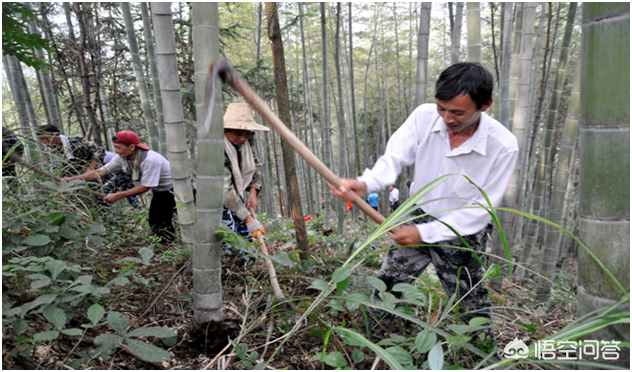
(228,74)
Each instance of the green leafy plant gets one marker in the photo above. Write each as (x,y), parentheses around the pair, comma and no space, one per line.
(107,343)
(16,40)
(457,335)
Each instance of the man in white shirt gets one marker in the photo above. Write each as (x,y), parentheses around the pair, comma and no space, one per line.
(393,197)
(456,136)
(151,171)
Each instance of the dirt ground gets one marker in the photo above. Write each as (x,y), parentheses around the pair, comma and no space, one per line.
(248,319)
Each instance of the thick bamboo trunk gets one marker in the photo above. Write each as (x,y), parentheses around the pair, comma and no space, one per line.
(400,116)
(207,265)
(515,65)
(422,54)
(604,186)
(511,198)
(505,70)
(558,206)
(177,151)
(19,93)
(455,49)
(523,114)
(151,54)
(533,170)
(44,74)
(550,250)
(474,43)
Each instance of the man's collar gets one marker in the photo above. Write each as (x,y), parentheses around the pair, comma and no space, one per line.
(478,141)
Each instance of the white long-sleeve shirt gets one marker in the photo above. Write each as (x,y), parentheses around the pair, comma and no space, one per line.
(488,158)
(394,195)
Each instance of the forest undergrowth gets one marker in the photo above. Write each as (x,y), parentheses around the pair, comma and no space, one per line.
(85,286)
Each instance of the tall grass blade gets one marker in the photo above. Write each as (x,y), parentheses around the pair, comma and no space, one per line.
(386,357)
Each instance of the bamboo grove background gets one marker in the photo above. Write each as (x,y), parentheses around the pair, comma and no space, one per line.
(353,73)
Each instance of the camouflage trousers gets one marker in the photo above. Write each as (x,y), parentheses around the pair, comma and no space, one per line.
(121,182)
(237,226)
(458,270)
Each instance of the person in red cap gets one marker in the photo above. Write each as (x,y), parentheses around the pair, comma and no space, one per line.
(149,170)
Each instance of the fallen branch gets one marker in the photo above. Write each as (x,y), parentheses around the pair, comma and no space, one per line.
(186,264)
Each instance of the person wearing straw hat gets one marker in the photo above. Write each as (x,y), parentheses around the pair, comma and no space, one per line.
(242,173)
(151,171)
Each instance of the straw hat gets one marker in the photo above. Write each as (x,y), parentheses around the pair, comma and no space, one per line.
(239,116)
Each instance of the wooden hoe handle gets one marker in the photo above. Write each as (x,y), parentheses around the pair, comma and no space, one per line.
(228,74)
(274,282)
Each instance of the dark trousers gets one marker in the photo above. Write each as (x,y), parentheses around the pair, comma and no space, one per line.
(161,209)
(237,226)
(8,171)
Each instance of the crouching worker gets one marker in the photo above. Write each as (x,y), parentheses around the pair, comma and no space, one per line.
(151,171)
(9,140)
(452,136)
(79,154)
(242,174)
(119,182)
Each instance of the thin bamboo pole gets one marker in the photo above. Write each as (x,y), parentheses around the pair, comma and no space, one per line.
(276,289)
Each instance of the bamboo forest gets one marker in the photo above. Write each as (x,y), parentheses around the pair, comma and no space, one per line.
(435,185)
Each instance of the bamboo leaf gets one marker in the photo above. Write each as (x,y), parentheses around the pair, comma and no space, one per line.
(386,357)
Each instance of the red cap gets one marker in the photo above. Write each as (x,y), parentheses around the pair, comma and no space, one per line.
(127,137)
